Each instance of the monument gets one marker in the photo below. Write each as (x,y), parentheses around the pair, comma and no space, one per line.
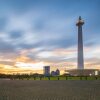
(80,44)
(80,64)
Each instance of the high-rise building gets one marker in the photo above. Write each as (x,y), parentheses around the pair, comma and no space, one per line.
(46,70)
(80,44)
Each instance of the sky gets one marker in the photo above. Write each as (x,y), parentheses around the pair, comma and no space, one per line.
(37,33)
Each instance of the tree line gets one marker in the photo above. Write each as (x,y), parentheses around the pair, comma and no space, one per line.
(34,76)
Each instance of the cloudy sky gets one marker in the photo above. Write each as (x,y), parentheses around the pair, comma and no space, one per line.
(35,33)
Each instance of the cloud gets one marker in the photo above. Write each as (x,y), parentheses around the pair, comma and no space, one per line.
(44,31)
(6,47)
(16,34)
(3,23)
(35,66)
(7,63)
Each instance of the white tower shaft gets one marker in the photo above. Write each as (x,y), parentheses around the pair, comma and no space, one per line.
(80,44)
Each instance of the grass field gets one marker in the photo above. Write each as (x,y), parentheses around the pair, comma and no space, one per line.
(66,78)
(49,90)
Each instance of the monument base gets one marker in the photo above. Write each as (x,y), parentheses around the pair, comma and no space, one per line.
(83,72)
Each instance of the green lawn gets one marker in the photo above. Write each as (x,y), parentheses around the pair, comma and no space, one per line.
(65,78)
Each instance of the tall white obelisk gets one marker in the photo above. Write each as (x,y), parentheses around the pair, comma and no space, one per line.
(80,44)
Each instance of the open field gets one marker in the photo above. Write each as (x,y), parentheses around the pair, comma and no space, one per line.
(66,78)
(63,78)
(49,90)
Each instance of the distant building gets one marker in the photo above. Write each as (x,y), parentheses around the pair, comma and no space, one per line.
(55,73)
(46,70)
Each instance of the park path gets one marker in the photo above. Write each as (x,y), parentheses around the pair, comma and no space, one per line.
(49,90)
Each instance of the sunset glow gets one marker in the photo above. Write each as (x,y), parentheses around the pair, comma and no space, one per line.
(38,33)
